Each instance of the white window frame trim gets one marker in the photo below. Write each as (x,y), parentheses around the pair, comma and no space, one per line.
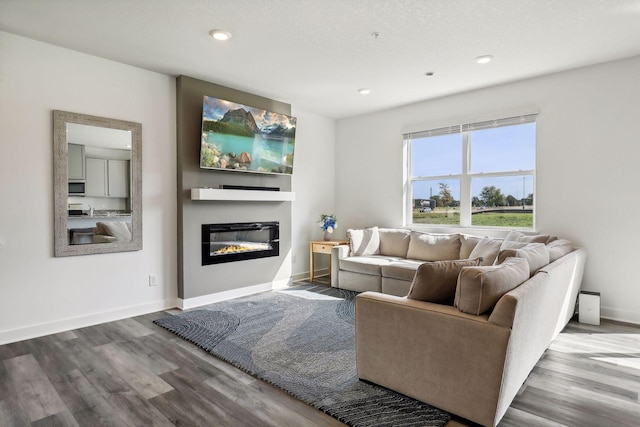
(465,177)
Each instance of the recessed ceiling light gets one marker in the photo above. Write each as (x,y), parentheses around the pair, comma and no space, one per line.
(220,35)
(484,59)
(364,91)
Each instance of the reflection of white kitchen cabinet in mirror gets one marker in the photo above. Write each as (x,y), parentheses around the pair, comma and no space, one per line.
(75,168)
(96,177)
(118,178)
(107,178)
(102,157)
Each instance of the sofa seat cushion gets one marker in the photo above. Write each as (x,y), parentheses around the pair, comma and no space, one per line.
(397,287)
(434,247)
(371,265)
(403,269)
(436,281)
(479,288)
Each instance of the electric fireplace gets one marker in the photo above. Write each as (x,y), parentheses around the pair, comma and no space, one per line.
(239,241)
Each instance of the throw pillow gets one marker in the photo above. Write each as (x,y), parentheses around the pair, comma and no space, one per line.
(479,288)
(536,254)
(436,281)
(433,247)
(559,248)
(488,249)
(364,242)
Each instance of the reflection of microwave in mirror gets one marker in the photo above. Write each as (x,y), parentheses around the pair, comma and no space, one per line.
(77,188)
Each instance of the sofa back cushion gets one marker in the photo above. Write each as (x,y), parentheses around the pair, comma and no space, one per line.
(436,281)
(433,247)
(559,248)
(488,249)
(394,242)
(479,288)
(364,242)
(516,236)
(536,254)
(467,243)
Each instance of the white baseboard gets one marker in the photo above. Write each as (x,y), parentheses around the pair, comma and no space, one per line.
(63,325)
(298,277)
(185,304)
(42,329)
(616,314)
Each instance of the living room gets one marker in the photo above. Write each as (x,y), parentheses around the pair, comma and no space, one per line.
(585,172)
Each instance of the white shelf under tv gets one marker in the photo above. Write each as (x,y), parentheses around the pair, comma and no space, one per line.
(242,195)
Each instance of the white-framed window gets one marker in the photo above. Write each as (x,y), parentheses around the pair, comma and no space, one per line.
(472,175)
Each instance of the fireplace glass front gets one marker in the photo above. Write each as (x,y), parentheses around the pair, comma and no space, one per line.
(239,241)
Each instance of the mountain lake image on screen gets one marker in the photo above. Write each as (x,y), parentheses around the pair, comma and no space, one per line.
(237,137)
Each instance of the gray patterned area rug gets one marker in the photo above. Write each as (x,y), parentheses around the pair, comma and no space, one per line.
(302,340)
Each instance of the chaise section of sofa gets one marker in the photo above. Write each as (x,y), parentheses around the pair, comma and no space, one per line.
(431,352)
(470,365)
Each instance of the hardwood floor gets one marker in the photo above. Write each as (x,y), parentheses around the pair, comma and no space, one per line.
(589,376)
(134,373)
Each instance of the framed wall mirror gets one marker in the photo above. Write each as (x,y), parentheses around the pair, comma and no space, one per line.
(97,166)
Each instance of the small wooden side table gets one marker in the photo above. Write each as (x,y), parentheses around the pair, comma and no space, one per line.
(321,247)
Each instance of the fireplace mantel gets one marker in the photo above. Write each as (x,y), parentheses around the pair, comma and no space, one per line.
(242,195)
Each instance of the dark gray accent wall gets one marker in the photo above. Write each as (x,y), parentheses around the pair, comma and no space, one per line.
(195,279)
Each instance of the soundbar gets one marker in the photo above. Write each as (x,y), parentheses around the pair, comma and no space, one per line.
(247,187)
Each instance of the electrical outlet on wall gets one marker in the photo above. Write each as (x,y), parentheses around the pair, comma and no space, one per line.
(152,280)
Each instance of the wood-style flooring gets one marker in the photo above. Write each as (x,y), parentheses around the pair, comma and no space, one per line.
(134,373)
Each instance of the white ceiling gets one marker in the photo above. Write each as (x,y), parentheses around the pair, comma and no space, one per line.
(316,54)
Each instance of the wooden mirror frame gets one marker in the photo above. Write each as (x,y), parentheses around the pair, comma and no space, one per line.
(61,186)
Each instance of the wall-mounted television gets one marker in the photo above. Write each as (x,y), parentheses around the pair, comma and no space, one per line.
(237,137)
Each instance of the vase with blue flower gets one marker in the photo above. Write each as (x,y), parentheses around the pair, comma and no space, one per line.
(328,223)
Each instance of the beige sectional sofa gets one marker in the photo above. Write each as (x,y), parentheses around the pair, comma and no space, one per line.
(460,335)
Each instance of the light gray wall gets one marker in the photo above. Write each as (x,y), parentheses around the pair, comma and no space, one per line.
(314,183)
(194,279)
(41,294)
(587,165)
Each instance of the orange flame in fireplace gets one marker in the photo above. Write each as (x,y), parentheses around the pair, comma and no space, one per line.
(231,249)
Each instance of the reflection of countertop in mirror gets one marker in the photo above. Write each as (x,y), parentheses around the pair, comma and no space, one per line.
(84,221)
(101,216)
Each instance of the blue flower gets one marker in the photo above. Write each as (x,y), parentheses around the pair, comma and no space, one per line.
(328,222)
